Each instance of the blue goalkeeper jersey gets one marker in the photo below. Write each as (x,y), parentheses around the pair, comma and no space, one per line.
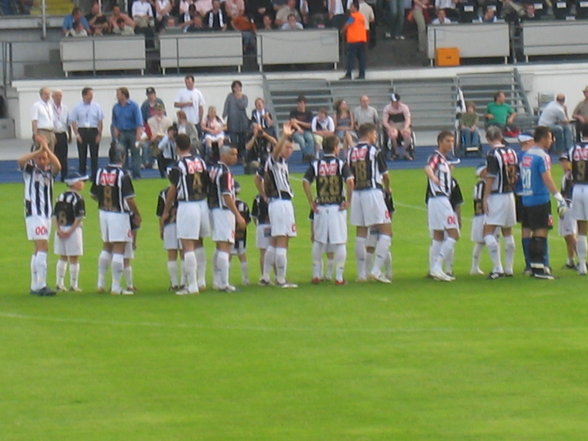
(533,164)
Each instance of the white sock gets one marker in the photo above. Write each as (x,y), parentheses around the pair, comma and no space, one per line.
(388,265)
(317,259)
(41,266)
(448,261)
(360,256)
(269,262)
(74,274)
(476,254)
(581,246)
(172,270)
(33,266)
(60,270)
(330,268)
(216,281)
(128,273)
(382,249)
(190,270)
(104,261)
(281,264)
(244,272)
(118,265)
(201,266)
(445,253)
(434,251)
(369,258)
(494,252)
(339,261)
(509,248)
(222,262)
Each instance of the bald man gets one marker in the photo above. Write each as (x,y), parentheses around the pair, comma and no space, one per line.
(555,116)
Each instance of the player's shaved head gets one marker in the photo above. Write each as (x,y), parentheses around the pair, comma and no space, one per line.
(183,142)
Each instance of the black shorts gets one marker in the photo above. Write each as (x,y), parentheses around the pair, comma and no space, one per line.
(519,208)
(537,217)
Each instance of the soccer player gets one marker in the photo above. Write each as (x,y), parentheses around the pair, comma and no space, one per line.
(189,185)
(240,246)
(333,180)
(368,206)
(113,189)
(526,141)
(499,203)
(263,229)
(477,233)
(577,159)
(567,225)
(129,255)
(69,212)
(535,168)
(224,216)
(168,233)
(442,219)
(39,169)
(274,186)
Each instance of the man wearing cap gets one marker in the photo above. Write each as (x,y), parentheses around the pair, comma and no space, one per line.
(580,114)
(86,121)
(148,106)
(555,116)
(397,122)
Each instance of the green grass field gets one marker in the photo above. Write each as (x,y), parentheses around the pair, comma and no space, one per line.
(474,360)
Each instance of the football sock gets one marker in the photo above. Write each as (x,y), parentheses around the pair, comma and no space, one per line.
(222,262)
(244,272)
(581,246)
(60,270)
(369,258)
(509,248)
(317,259)
(339,259)
(118,264)
(494,252)
(476,254)
(103,263)
(215,272)
(546,254)
(74,274)
(281,264)
(34,286)
(388,265)
(537,251)
(526,241)
(172,270)
(360,256)
(382,248)
(201,266)
(448,261)
(190,271)
(330,266)
(434,251)
(41,266)
(447,247)
(128,273)
(269,262)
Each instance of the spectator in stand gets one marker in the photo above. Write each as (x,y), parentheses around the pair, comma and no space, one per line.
(318,13)
(259,147)
(292,24)
(127,128)
(235,114)
(203,6)
(216,19)
(322,126)
(148,106)
(368,14)
(86,121)
(247,27)
(555,116)
(214,129)
(122,28)
(42,117)
(142,14)
(488,17)
(75,17)
(356,39)
(285,11)
(268,23)
(499,113)
(261,116)
(77,30)
(191,101)
(167,150)
(449,7)
(97,20)
(364,113)
(441,18)
(257,9)
(468,124)
(116,15)
(397,120)
(336,13)
(396,11)
(184,10)
(344,124)
(162,12)
(418,13)
(62,131)
(580,113)
(234,8)
(157,126)
(300,121)
(195,24)
(188,128)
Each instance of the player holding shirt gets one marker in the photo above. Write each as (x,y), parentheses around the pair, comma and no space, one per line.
(189,186)
(333,179)
(368,207)
(168,232)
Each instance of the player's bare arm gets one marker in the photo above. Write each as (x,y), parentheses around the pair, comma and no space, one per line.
(169,202)
(135,210)
(308,193)
(230,203)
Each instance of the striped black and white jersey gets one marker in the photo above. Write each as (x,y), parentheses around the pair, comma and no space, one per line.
(330,174)
(259,211)
(502,165)
(367,165)
(38,190)
(243,209)
(276,179)
(478,199)
(190,177)
(567,186)
(161,198)
(111,187)
(442,171)
(221,184)
(578,157)
(69,206)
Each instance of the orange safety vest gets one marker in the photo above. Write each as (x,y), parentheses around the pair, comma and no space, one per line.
(356,32)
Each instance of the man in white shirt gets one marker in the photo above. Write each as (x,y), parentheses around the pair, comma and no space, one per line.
(191,101)
(42,117)
(62,130)
(142,13)
(555,116)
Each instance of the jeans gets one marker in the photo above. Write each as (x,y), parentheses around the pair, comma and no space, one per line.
(469,138)
(396,17)
(305,141)
(563,138)
(126,139)
(147,154)
(356,50)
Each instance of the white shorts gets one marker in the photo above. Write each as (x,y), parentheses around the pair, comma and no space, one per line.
(170,238)
(330,225)
(369,208)
(115,227)
(263,236)
(440,215)
(478,229)
(38,227)
(372,237)
(223,225)
(580,202)
(502,210)
(281,214)
(567,225)
(192,220)
(72,246)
